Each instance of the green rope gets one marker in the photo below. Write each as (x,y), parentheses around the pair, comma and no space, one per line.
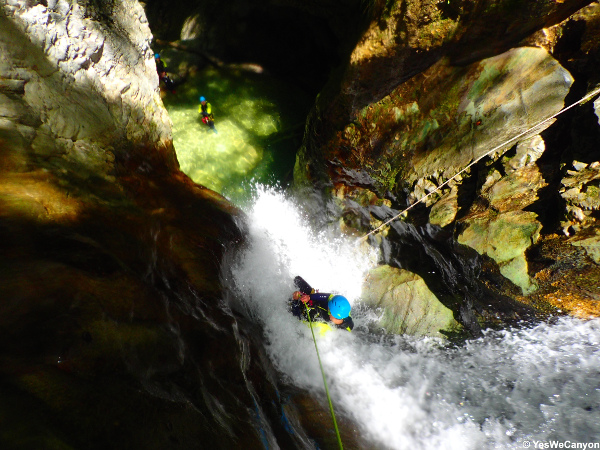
(337,431)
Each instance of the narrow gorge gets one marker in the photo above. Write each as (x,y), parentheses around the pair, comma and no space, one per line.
(419,156)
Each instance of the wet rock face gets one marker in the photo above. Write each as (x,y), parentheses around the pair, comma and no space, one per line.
(429,129)
(429,284)
(405,39)
(481,107)
(113,330)
(434,88)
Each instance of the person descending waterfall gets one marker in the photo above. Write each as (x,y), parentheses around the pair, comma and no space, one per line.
(207,116)
(161,69)
(321,306)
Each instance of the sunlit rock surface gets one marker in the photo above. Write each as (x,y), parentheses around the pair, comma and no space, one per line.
(74,86)
(503,230)
(581,191)
(505,238)
(408,306)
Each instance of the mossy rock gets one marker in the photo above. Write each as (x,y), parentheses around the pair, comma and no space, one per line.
(409,307)
(505,238)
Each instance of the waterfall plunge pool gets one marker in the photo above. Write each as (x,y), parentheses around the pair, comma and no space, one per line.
(259,122)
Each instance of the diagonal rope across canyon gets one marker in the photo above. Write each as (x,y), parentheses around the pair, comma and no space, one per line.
(509,141)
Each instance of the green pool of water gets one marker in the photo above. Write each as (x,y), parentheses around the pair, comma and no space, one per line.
(259,123)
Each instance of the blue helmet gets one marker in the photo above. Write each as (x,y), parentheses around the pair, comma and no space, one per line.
(339,307)
(202,99)
(156,56)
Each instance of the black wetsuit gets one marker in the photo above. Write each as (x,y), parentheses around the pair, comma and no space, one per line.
(318,306)
(161,68)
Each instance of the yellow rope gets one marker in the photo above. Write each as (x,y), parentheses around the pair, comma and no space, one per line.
(480,158)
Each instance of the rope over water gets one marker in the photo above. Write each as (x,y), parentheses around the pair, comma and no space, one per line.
(588,96)
(337,431)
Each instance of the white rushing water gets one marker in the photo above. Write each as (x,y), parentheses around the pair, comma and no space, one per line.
(536,387)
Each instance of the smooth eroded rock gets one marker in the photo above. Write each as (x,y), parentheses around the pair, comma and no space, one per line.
(409,307)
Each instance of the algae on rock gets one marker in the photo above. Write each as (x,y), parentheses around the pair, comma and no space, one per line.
(409,307)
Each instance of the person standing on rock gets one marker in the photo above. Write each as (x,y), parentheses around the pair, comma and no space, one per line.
(205,109)
(331,308)
(161,69)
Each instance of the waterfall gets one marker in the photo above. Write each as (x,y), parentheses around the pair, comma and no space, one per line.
(508,389)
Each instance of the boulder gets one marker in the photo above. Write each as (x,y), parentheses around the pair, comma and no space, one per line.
(504,237)
(408,306)
(80,90)
(444,211)
(498,99)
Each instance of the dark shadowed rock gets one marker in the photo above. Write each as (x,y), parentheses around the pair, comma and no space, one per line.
(113,327)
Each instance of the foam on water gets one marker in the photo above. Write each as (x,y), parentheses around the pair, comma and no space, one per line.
(534,384)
